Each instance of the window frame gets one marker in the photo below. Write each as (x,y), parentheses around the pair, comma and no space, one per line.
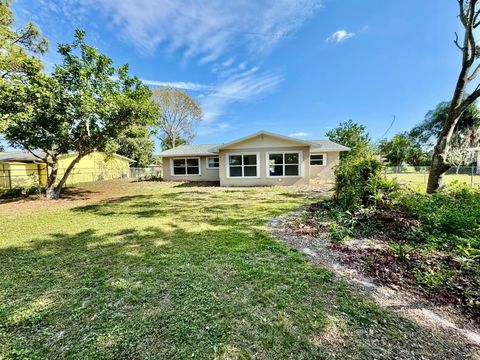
(208,164)
(172,173)
(324,159)
(300,164)
(227,162)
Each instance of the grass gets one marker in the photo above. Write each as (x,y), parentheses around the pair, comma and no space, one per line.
(419,180)
(180,272)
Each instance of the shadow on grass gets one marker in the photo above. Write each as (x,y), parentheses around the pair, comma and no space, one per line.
(226,290)
(190,184)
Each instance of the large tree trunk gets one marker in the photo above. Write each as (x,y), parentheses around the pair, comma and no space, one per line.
(52,178)
(468,15)
(53,191)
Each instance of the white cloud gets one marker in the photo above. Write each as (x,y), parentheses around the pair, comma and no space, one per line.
(244,86)
(299,134)
(206,29)
(179,85)
(340,36)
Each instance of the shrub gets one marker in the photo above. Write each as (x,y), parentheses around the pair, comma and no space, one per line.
(358,182)
(450,217)
(19,191)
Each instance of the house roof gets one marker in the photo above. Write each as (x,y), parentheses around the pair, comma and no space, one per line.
(326,145)
(24,156)
(262,132)
(212,149)
(190,150)
(21,156)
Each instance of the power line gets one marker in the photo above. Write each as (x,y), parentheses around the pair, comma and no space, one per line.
(389,128)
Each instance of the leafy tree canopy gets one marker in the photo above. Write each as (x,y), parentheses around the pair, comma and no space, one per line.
(85,105)
(428,130)
(352,135)
(402,148)
(18,46)
(136,143)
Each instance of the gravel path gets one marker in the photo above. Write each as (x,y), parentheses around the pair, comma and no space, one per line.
(442,322)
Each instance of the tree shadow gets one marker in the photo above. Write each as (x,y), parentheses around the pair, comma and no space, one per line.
(209,283)
(190,184)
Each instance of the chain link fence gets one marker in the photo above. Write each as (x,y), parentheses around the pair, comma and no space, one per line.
(418,175)
(35,178)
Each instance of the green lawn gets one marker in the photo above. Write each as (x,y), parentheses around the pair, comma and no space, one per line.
(181,272)
(419,179)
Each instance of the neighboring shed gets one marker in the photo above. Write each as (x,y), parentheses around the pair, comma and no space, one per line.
(25,169)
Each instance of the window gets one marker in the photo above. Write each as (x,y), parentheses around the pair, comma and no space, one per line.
(318,159)
(213,163)
(188,166)
(244,165)
(283,164)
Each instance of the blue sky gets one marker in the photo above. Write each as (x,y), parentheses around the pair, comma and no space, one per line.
(292,67)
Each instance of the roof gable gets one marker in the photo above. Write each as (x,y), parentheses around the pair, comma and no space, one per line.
(263,139)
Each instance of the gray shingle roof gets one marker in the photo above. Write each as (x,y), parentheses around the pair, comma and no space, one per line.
(21,156)
(327,145)
(190,150)
(212,149)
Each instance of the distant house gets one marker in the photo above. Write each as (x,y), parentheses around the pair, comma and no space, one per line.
(20,168)
(259,159)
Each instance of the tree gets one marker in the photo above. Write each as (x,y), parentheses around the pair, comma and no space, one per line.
(469,14)
(167,142)
(402,148)
(179,112)
(396,150)
(462,151)
(136,143)
(18,46)
(429,129)
(352,135)
(83,106)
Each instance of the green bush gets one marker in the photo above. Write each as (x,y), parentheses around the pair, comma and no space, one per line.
(19,191)
(450,217)
(359,182)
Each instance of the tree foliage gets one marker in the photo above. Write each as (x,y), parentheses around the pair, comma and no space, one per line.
(402,148)
(84,105)
(136,143)
(428,130)
(352,135)
(179,113)
(18,46)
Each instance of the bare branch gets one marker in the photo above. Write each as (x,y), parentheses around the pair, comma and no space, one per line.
(456,42)
(474,74)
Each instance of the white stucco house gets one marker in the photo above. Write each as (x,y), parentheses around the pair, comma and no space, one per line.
(260,159)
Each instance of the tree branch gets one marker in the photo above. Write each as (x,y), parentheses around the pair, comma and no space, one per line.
(474,74)
(456,42)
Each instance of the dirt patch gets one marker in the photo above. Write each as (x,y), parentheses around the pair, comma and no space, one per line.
(443,321)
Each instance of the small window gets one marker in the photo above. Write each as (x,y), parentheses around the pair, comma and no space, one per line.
(213,163)
(318,159)
(242,165)
(186,167)
(284,164)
